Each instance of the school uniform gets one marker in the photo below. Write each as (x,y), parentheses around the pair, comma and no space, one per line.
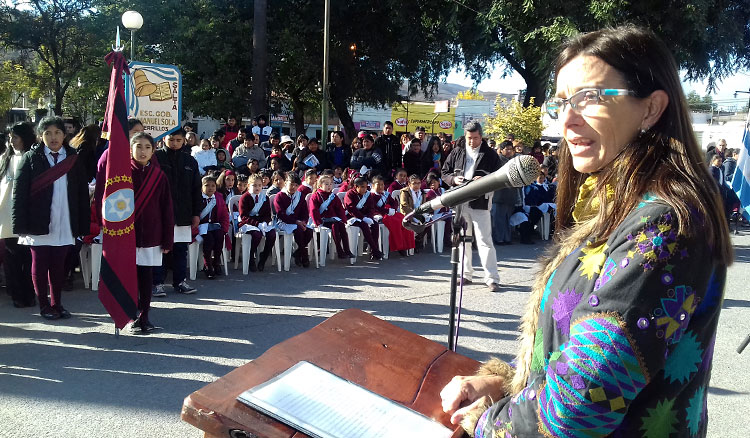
(360,211)
(399,238)
(326,210)
(395,185)
(407,202)
(256,220)
(213,226)
(50,209)
(17,259)
(442,214)
(306,189)
(153,226)
(289,210)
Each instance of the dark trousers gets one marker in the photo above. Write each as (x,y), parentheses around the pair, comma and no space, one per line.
(213,242)
(340,238)
(527,228)
(302,238)
(73,259)
(17,262)
(48,273)
(145,278)
(255,238)
(371,234)
(179,265)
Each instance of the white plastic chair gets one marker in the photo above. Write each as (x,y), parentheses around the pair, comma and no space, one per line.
(353,233)
(437,230)
(91,261)
(234,206)
(385,246)
(196,262)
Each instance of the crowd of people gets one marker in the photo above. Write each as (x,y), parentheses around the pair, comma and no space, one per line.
(241,182)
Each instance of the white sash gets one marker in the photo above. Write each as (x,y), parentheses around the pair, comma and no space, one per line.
(256,207)
(326,203)
(293,204)
(362,201)
(383,198)
(209,206)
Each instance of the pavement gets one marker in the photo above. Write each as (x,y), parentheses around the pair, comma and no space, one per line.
(74,378)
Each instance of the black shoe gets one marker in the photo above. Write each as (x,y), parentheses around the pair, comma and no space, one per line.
(210,274)
(404,253)
(376,256)
(148,327)
(297,258)
(252,266)
(305,261)
(49,313)
(64,314)
(218,271)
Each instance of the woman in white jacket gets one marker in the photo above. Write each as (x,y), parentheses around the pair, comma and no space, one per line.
(204,155)
(17,258)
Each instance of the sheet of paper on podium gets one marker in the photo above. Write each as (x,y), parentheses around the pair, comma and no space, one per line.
(323,405)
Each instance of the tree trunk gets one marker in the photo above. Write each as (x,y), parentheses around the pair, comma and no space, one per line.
(260,58)
(536,84)
(342,111)
(59,95)
(298,112)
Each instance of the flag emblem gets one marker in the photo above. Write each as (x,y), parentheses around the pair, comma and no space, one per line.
(119,205)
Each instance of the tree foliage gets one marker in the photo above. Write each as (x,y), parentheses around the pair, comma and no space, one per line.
(471,94)
(63,35)
(13,82)
(709,38)
(525,122)
(700,104)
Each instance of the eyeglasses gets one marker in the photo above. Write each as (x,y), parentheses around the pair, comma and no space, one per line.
(579,100)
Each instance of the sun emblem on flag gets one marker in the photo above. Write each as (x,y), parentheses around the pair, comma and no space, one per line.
(119,205)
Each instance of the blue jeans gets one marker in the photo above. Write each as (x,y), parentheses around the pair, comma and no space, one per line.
(179,265)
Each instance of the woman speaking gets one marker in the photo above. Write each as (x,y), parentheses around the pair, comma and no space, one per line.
(619,331)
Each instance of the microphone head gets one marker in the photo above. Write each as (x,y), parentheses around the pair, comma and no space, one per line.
(523,170)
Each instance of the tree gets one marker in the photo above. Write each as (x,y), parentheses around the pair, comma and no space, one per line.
(470,94)
(260,57)
(523,122)
(700,104)
(13,83)
(708,37)
(63,34)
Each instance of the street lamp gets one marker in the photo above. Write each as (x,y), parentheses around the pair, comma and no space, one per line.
(746,92)
(132,20)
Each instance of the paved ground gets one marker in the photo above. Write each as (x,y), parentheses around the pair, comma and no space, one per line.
(73,378)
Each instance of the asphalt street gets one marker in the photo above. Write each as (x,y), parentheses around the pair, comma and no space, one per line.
(74,378)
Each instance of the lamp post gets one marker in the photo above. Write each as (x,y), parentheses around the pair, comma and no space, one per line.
(132,20)
(745,92)
(324,85)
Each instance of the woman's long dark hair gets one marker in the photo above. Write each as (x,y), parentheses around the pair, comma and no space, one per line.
(665,161)
(87,138)
(23,130)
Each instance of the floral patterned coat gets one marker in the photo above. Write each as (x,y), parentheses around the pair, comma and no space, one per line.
(624,338)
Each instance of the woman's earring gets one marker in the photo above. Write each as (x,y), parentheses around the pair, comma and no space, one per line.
(643,130)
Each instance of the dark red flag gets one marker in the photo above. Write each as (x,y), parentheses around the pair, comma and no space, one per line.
(118,283)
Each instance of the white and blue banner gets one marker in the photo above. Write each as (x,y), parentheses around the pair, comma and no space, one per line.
(741,180)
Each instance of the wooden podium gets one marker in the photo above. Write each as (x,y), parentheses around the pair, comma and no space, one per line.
(352,344)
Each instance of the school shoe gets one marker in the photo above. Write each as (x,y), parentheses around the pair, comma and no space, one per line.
(305,260)
(493,287)
(49,313)
(376,256)
(218,270)
(64,314)
(251,265)
(464,281)
(209,271)
(148,327)
(158,291)
(184,288)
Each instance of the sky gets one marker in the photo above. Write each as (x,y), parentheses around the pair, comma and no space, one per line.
(513,83)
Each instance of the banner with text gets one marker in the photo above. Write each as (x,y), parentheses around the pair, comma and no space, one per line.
(407,116)
(153,94)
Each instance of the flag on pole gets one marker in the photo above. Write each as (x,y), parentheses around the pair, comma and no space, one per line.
(118,283)
(741,179)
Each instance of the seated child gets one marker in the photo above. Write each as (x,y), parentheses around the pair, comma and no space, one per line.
(205,156)
(253,167)
(214,225)
(154,222)
(278,178)
(255,220)
(265,177)
(410,199)
(241,184)
(225,184)
(308,186)
(360,208)
(326,210)
(221,160)
(400,182)
(435,191)
(338,176)
(399,238)
(292,217)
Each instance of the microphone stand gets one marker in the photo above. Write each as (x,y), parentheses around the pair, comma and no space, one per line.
(458,238)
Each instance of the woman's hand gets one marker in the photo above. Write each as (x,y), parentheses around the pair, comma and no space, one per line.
(463,393)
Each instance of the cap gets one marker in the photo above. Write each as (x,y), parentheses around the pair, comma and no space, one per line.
(286,139)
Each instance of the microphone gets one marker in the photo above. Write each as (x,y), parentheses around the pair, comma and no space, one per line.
(520,171)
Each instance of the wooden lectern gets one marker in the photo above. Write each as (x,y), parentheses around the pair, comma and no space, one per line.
(352,344)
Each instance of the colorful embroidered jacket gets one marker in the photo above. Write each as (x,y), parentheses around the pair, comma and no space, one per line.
(624,339)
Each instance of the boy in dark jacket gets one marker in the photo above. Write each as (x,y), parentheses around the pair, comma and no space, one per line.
(185,183)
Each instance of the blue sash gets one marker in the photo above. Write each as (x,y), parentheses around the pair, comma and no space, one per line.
(383,198)
(293,204)
(256,207)
(362,201)
(209,206)
(326,203)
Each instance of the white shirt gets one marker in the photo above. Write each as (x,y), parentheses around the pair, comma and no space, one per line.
(416,197)
(6,195)
(60,233)
(471,161)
